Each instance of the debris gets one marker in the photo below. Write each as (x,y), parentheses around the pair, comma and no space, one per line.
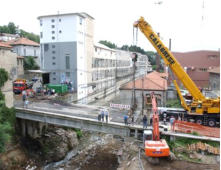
(203,147)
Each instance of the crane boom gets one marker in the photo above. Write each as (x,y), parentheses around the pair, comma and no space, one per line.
(169,59)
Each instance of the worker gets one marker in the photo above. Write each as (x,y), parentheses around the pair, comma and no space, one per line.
(164,118)
(126,119)
(172,119)
(144,121)
(106,114)
(102,115)
(99,117)
(24,97)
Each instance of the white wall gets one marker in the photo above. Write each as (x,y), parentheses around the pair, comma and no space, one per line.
(68,26)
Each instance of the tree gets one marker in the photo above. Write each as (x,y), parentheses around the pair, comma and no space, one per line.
(12,28)
(30,36)
(30,64)
(108,44)
(7,116)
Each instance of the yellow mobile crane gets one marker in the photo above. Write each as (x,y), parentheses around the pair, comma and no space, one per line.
(203,110)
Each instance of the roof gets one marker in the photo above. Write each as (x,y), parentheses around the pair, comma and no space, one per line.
(152,81)
(83,15)
(99,45)
(4,45)
(198,59)
(9,35)
(22,41)
(215,70)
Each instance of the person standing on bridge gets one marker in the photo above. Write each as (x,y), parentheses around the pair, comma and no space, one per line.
(126,119)
(102,115)
(144,121)
(24,97)
(106,114)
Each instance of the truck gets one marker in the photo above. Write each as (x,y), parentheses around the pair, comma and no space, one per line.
(21,84)
(202,110)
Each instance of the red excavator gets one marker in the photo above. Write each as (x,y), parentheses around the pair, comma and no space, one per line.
(154,146)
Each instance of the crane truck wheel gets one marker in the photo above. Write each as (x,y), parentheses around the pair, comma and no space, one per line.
(212,122)
(199,121)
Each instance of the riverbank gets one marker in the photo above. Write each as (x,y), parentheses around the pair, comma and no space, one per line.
(62,149)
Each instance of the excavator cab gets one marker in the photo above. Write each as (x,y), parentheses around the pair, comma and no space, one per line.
(147,135)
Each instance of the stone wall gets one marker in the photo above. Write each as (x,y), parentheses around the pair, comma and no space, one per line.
(8,61)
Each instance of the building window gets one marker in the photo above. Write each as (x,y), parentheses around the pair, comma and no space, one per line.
(52,37)
(52,26)
(54,78)
(54,73)
(53,52)
(68,74)
(54,63)
(35,53)
(24,51)
(60,31)
(53,57)
(67,59)
(59,20)
(46,47)
(41,34)
(52,32)
(53,46)
(81,20)
(52,20)
(41,23)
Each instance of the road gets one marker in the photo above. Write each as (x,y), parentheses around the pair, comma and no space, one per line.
(80,110)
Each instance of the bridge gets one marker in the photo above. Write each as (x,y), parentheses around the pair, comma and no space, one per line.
(31,120)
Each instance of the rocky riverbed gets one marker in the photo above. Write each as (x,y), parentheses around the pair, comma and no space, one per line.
(63,149)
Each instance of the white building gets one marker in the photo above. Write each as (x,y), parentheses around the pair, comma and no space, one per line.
(67,49)
(25,47)
(8,37)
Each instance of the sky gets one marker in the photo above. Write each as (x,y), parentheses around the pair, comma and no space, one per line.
(191,24)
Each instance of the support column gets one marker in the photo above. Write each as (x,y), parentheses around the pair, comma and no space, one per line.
(23,127)
(136,133)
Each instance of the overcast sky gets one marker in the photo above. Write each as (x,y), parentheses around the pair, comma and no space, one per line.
(190,25)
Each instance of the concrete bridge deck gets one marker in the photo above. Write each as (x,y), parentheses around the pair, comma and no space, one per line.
(91,123)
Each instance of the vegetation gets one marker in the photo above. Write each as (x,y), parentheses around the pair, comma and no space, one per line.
(108,44)
(30,64)
(173,103)
(7,116)
(12,29)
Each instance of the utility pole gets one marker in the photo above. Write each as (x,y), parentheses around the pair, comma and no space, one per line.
(133,97)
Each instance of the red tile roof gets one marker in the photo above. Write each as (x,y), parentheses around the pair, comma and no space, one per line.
(152,81)
(22,41)
(4,45)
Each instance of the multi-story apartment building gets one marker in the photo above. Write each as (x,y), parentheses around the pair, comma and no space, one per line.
(111,67)
(103,67)
(67,49)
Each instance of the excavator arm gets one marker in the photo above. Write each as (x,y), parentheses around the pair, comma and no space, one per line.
(169,59)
